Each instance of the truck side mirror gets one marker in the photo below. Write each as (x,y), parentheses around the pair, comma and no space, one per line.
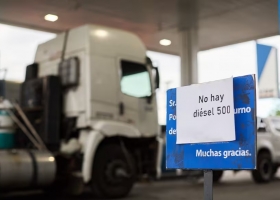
(149,62)
(157,77)
(261,126)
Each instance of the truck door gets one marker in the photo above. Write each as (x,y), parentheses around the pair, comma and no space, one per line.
(137,105)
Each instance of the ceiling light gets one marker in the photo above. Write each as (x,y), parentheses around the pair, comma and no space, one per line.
(51,159)
(101,33)
(51,18)
(165,42)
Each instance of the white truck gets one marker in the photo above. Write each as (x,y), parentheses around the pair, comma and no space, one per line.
(87,116)
(268,150)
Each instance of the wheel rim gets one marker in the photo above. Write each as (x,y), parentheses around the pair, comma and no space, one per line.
(116,172)
(265,169)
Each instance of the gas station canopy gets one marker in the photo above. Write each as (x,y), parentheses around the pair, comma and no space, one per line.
(220,22)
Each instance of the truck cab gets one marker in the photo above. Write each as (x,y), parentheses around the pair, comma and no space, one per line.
(112,78)
(90,95)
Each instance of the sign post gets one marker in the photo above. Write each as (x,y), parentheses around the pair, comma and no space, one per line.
(212,126)
(208,185)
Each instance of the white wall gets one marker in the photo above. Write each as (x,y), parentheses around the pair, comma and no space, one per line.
(17,49)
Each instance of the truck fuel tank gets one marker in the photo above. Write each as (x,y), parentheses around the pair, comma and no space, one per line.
(21,169)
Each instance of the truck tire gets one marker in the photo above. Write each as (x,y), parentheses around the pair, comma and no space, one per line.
(217,175)
(264,172)
(113,173)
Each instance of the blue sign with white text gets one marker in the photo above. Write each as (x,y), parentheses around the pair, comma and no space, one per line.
(238,154)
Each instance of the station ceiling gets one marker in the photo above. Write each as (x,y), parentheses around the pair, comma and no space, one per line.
(220,22)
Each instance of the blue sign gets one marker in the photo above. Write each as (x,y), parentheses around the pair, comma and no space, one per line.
(238,154)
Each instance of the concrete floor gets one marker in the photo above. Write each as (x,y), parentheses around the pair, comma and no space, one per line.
(232,187)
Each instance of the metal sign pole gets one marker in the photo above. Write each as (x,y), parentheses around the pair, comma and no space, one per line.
(208,185)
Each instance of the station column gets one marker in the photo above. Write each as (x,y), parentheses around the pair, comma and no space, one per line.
(188,40)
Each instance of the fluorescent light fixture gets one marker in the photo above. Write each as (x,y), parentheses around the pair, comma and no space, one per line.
(51,18)
(101,33)
(165,42)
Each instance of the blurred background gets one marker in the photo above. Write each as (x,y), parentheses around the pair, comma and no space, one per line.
(187,41)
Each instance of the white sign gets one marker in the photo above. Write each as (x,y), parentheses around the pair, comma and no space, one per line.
(205,112)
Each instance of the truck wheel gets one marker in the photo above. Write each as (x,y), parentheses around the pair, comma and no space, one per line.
(264,172)
(113,172)
(217,175)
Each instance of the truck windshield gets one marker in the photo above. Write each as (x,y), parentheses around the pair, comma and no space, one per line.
(135,80)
